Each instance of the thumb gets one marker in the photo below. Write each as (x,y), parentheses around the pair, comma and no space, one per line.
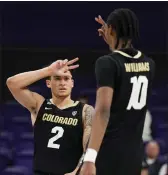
(101,32)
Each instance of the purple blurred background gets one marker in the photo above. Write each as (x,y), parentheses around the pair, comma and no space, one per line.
(33,34)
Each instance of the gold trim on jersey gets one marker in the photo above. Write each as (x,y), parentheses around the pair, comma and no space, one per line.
(66,106)
(138,55)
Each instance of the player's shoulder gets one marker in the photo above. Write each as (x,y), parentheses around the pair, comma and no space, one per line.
(88,106)
(150,61)
(148,58)
(47,102)
(88,109)
(105,58)
(105,61)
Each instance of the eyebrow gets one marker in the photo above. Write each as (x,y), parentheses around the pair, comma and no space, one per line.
(63,76)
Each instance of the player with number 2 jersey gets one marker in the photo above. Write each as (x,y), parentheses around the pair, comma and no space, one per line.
(61,126)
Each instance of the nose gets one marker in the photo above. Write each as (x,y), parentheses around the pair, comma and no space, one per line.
(62,82)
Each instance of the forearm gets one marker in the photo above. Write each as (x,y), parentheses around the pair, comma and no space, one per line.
(80,162)
(25,79)
(87,118)
(86,137)
(99,125)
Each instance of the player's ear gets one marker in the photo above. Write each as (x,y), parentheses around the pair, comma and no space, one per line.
(112,31)
(48,83)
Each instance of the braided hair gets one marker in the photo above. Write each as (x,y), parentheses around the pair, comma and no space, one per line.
(126,25)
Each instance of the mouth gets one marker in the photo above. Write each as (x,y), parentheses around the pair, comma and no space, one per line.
(62,89)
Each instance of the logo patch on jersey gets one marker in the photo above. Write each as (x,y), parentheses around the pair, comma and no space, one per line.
(74,113)
(49,103)
(48,108)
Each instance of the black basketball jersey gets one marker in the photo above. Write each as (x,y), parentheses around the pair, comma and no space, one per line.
(58,138)
(130,74)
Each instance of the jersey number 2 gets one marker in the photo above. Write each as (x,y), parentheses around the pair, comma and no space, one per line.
(139,93)
(60,131)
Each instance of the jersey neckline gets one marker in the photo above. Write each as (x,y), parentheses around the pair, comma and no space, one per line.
(67,107)
(138,55)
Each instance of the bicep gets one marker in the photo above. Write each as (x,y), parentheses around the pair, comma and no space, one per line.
(28,99)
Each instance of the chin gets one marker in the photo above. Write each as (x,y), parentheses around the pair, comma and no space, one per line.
(62,95)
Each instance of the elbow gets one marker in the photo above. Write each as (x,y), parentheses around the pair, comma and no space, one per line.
(10,82)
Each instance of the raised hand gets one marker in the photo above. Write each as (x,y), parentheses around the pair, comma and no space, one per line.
(102,29)
(60,67)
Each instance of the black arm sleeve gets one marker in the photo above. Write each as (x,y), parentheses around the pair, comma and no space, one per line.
(105,70)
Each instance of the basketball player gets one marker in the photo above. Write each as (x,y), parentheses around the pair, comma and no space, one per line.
(61,126)
(124,80)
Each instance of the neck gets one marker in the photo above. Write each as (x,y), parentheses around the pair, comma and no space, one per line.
(120,45)
(62,102)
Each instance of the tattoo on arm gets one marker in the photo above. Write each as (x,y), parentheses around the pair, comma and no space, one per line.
(81,160)
(88,114)
(87,118)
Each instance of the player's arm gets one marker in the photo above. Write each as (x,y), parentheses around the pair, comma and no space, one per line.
(105,74)
(88,112)
(18,86)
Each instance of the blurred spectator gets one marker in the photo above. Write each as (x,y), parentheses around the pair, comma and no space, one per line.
(152,151)
(146,136)
(151,160)
(144,172)
(164,170)
(83,98)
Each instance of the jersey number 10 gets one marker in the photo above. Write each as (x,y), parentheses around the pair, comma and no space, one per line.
(139,93)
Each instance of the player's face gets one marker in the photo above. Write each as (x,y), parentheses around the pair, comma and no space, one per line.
(61,86)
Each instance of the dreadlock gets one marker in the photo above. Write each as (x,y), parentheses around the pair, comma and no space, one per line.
(126,25)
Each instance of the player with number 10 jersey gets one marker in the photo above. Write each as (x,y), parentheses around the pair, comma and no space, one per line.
(124,80)
(131,75)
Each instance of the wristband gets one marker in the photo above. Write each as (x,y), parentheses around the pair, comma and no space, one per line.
(90,155)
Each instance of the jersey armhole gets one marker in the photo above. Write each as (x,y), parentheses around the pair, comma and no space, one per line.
(40,109)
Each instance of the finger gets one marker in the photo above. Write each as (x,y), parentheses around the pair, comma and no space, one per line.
(72,61)
(59,63)
(73,66)
(101,20)
(101,32)
(97,19)
(65,69)
(65,61)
